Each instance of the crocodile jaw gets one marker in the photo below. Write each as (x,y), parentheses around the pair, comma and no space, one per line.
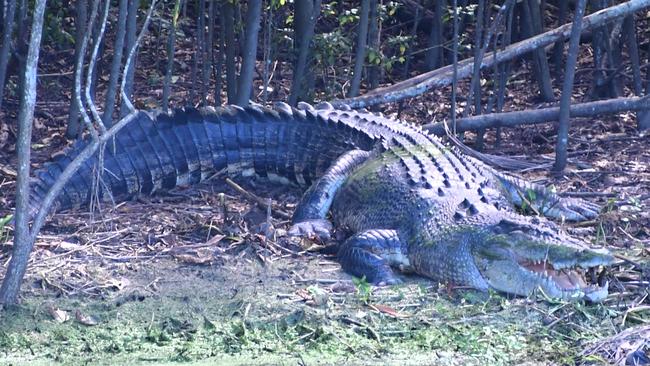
(511,265)
(524,280)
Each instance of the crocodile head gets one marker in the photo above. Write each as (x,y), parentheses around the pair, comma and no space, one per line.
(524,255)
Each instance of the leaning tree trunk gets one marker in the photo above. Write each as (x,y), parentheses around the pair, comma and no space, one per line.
(249,52)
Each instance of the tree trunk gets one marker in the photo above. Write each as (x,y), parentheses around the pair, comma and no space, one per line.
(22,243)
(218,64)
(129,74)
(6,44)
(306,17)
(360,54)
(81,18)
(229,45)
(169,68)
(532,26)
(435,55)
(567,89)
(116,64)
(249,53)
(558,48)
(374,36)
(208,44)
(475,93)
(200,56)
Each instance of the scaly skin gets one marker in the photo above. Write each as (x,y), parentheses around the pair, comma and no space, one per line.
(412,202)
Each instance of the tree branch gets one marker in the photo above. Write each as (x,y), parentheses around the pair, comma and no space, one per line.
(530,117)
(443,76)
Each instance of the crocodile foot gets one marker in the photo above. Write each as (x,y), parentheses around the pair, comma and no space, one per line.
(318,229)
(572,209)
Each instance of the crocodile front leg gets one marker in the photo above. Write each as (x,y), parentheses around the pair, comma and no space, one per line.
(309,217)
(540,199)
(372,253)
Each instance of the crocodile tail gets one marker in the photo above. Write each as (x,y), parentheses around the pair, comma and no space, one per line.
(159,151)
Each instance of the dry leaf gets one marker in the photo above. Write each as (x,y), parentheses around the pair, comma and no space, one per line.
(60,316)
(85,319)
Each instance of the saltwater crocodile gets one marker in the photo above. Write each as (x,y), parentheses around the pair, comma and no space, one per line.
(410,202)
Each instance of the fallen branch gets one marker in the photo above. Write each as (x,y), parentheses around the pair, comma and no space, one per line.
(444,76)
(536,116)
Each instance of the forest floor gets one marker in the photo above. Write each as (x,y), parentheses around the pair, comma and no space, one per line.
(188,276)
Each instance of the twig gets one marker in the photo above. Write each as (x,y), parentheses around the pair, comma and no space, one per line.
(261,202)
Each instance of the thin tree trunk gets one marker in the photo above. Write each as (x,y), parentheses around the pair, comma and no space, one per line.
(435,56)
(218,64)
(360,54)
(116,64)
(129,73)
(98,43)
(532,27)
(197,55)
(475,93)
(503,70)
(374,36)
(306,16)
(81,18)
(209,43)
(249,53)
(629,29)
(22,243)
(266,58)
(454,65)
(567,89)
(169,69)
(558,49)
(200,52)
(6,45)
(2,15)
(229,45)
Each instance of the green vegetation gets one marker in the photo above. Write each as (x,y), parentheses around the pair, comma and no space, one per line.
(408,324)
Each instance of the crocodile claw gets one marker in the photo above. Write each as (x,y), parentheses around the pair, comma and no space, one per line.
(573,209)
(314,229)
